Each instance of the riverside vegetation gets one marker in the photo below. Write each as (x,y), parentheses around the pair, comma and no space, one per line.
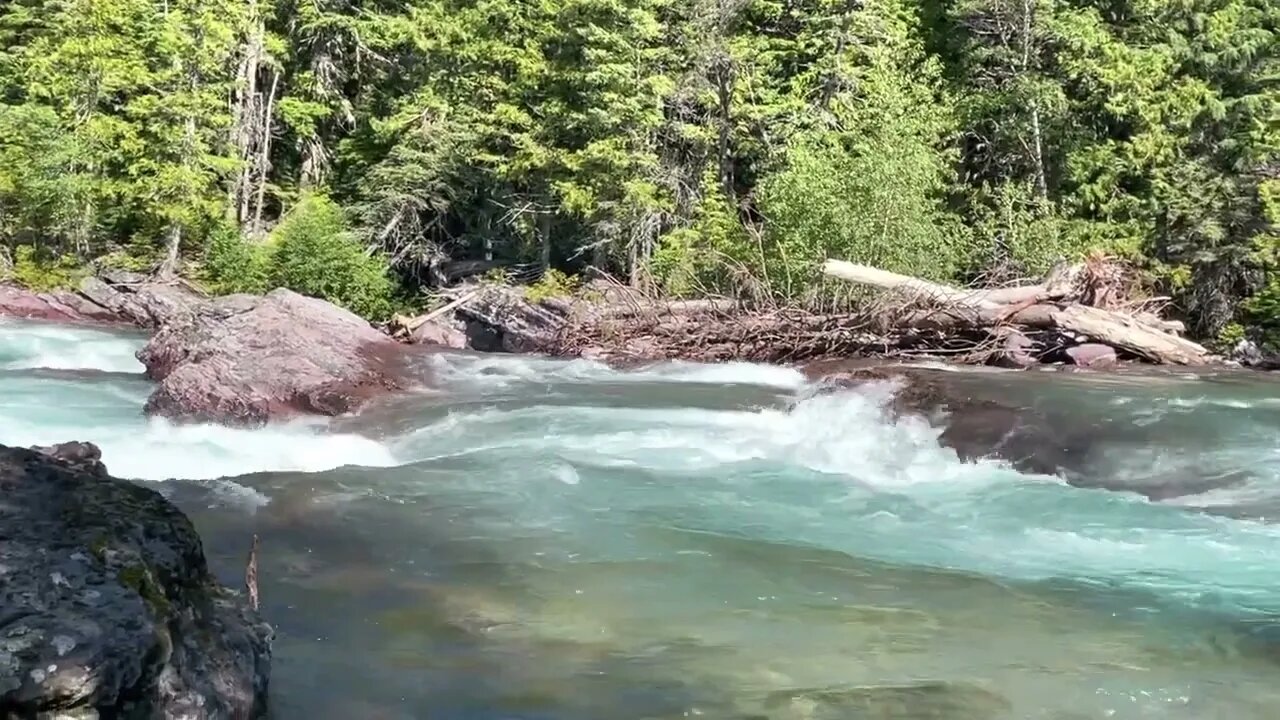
(358,151)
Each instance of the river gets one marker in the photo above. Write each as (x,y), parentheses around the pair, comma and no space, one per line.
(537,539)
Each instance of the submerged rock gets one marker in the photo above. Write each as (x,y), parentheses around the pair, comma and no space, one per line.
(936,700)
(976,427)
(245,359)
(107,608)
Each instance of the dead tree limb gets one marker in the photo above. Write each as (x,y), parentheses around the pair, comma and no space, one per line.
(1032,307)
(1129,334)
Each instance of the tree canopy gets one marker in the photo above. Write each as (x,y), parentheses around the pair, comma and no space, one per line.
(691,147)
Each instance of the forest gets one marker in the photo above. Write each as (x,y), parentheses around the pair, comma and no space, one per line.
(368,151)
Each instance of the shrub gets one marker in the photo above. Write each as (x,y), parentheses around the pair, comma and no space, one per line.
(126,260)
(40,270)
(553,283)
(235,265)
(314,253)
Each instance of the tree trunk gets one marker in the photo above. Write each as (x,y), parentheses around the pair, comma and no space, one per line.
(1037,140)
(1128,334)
(169,268)
(723,80)
(544,232)
(264,157)
(245,114)
(1029,307)
(914,288)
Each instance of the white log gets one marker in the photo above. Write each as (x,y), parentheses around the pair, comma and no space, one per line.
(914,288)
(1121,331)
(411,324)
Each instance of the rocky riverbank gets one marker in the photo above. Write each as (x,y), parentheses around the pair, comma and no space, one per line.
(247,360)
(237,359)
(107,608)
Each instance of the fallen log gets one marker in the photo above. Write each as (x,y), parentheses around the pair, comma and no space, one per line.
(616,311)
(1032,307)
(1126,333)
(913,288)
(1058,285)
(954,319)
(409,324)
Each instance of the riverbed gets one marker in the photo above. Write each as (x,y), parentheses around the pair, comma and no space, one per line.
(535,539)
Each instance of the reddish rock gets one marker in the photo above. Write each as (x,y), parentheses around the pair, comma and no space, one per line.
(17,302)
(1092,355)
(439,332)
(84,309)
(57,306)
(245,359)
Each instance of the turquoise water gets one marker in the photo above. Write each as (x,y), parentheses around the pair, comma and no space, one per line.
(544,539)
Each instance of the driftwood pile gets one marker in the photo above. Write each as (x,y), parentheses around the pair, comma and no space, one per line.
(1071,315)
(1075,305)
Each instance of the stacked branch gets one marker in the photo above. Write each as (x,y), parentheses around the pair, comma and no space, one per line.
(1055,305)
(1073,305)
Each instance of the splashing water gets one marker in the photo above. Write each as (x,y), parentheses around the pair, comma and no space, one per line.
(539,539)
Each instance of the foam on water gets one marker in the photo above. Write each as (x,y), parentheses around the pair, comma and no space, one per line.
(59,347)
(107,411)
(501,371)
(699,530)
(822,469)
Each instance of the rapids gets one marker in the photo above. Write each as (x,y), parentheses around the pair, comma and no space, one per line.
(538,539)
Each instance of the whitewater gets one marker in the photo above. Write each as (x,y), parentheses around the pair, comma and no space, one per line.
(536,538)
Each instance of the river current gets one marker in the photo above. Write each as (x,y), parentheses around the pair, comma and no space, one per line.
(535,539)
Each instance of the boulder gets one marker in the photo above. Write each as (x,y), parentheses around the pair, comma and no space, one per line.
(123,305)
(107,607)
(1250,355)
(977,426)
(1092,355)
(245,359)
(84,309)
(439,332)
(115,297)
(18,302)
(503,320)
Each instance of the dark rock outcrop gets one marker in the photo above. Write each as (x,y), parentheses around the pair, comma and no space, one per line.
(502,320)
(107,608)
(244,359)
(1248,354)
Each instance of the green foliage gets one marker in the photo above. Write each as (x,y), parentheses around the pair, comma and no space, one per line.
(709,147)
(314,253)
(131,259)
(233,264)
(712,254)
(40,271)
(552,284)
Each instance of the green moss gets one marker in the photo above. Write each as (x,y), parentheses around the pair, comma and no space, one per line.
(139,578)
(99,547)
